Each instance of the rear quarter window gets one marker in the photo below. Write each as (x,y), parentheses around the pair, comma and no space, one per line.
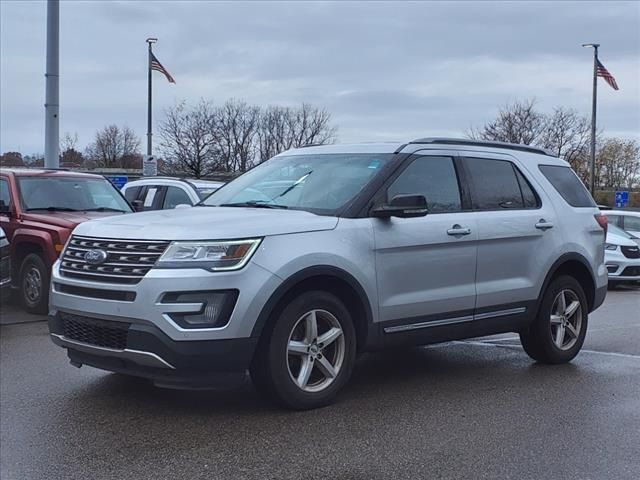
(568,185)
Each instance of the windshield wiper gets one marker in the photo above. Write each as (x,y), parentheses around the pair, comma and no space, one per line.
(53,209)
(297,182)
(254,204)
(104,209)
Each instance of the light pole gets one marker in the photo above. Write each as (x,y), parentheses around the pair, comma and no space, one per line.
(150,41)
(52,95)
(592,162)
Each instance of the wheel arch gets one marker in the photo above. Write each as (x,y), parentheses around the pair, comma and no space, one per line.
(576,266)
(327,278)
(23,245)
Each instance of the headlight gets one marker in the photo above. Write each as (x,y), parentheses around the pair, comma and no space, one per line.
(228,255)
(610,246)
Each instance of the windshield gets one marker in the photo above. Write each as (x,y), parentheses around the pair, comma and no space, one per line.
(316,183)
(70,194)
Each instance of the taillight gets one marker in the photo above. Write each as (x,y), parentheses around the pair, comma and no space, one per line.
(603,221)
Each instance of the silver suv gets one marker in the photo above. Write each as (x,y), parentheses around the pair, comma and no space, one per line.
(325,252)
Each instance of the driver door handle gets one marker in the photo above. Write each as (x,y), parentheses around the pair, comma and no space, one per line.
(543,225)
(458,230)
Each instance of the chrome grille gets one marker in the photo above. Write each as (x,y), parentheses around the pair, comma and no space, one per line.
(127,260)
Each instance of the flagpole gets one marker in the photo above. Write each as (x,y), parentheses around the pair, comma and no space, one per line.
(592,160)
(150,41)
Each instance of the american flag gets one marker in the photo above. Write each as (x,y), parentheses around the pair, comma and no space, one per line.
(156,65)
(604,73)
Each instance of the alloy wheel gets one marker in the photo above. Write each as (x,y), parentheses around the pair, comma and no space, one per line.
(315,350)
(33,284)
(566,319)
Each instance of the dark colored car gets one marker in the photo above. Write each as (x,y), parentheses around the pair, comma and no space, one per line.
(38,211)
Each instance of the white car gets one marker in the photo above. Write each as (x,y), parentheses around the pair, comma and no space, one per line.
(163,193)
(622,255)
(625,219)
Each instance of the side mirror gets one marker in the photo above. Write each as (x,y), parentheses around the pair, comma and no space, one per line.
(137,205)
(182,205)
(403,206)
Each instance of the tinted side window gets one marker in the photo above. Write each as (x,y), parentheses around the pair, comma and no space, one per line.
(494,185)
(615,220)
(567,183)
(131,193)
(529,197)
(631,223)
(175,196)
(4,192)
(433,177)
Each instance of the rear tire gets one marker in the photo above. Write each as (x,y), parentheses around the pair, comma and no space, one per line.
(34,284)
(559,329)
(308,353)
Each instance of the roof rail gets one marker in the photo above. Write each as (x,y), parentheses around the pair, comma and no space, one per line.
(46,169)
(481,143)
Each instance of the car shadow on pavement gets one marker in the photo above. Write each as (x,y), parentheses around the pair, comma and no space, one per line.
(410,372)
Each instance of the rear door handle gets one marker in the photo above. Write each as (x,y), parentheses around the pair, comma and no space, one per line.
(458,230)
(544,225)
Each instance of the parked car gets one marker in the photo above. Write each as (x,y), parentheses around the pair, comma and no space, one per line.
(5,266)
(38,211)
(622,256)
(627,220)
(364,247)
(161,193)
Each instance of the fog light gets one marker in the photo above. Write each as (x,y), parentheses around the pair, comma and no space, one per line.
(217,306)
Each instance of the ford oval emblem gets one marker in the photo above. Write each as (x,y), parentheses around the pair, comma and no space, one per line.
(95,257)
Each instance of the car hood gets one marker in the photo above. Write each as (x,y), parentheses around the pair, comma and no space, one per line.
(206,223)
(65,219)
(615,239)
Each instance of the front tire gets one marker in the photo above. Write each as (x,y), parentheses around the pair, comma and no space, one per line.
(307,356)
(558,331)
(34,284)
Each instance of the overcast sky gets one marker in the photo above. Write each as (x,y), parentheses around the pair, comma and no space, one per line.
(385,71)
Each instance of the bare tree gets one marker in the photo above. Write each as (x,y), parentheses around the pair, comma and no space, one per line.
(566,134)
(114,147)
(187,139)
(203,139)
(70,156)
(11,159)
(517,122)
(282,128)
(236,128)
(69,141)
(617,163)
(274,134)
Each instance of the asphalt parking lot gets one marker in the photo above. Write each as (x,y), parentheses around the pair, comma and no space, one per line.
(476,409)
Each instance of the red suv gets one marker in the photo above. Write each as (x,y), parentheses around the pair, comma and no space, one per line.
(38,211)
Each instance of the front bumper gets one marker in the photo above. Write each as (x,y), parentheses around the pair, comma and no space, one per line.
(143,302)
(156,346)
(148,352)
(622,268)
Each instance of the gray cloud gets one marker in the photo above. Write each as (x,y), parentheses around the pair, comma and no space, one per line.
(384,70)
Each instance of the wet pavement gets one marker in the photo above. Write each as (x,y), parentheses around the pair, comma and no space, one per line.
(476,409)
